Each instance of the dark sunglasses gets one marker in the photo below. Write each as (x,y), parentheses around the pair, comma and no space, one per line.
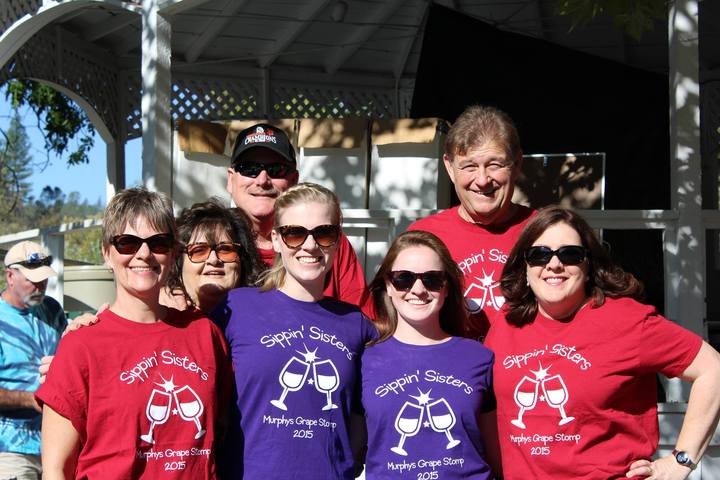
(34,261)
(274,170)
(227,252)
(295,235)
(568,255)
(126,244)
(403,280)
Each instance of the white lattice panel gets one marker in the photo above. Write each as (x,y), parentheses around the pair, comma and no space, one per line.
(214,100)
(46,56)
(305,102)
(12,10)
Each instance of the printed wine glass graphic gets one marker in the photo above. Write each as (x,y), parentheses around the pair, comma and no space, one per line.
(160,403)
(525,398)
(190,407)
(409,420)
(326,380)
(157,411)
(442,419)
(407,423)
(292,377)
(556,395)
(490,295)
(295,372)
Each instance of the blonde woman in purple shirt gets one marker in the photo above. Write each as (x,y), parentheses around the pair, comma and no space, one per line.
(427,392)
(296,354)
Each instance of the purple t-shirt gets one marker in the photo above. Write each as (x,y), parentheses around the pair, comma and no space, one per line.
(421,405)
(297,372)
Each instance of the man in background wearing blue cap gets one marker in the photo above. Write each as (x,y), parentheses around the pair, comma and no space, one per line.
(30,328)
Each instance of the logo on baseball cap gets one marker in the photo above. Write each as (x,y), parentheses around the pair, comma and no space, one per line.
(266,136)
(31,259)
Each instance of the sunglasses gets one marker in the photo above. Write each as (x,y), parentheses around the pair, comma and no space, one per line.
(226,252)
(403,280)
(295,235)
(568,255)
(126,244)
(34,261)
(253,169)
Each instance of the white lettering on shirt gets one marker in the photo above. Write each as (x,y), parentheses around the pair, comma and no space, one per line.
(317,334)
(139,372)
(284,338)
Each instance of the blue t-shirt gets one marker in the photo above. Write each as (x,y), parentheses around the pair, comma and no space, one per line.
(26,335)
(297,372)
(421,405)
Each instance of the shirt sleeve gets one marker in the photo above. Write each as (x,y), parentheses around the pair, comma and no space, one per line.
(346,281)
(489,403)
(220,316)
(666,347)
(225,379)
(369,331)
(66,387)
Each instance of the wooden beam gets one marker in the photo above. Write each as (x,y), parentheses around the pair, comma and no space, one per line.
(174,7)
(406,48)
(305,18)
(109,26)
(357,36)
(213,29)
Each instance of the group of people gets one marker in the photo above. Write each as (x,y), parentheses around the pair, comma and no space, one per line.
(562,387)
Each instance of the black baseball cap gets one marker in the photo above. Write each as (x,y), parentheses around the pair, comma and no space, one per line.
(266,136)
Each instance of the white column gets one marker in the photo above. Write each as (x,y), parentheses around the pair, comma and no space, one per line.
(156,94)
(116,148)
(685,268)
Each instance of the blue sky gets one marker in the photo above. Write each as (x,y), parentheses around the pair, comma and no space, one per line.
(88,179)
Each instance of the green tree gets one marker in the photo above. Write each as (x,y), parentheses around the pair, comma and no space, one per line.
(60,119)
(14,166)
(635,17)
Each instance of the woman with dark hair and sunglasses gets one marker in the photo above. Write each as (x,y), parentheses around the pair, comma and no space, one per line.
(577,356)
(427,392)
(296,353)
(218,254)
(137,395)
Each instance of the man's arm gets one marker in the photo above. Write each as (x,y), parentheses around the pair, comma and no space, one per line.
(12,399)
(346,281)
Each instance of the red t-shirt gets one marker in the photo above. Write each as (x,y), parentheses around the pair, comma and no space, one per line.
(345,282)
(144,398)
(481,252)
(578,399)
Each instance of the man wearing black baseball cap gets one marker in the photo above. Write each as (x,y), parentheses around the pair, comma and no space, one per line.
(262,166)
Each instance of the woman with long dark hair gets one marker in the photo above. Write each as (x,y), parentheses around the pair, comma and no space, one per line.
(576,358)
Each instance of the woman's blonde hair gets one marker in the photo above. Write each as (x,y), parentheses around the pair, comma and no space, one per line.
(300,193)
